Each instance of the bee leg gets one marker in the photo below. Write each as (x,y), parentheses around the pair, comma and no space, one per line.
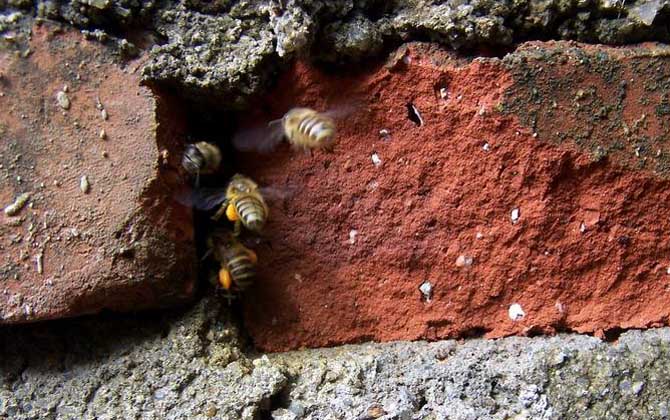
(229,297)
(197,179)
(213,278)
(237,229)
(252,256)
(206,254)
(221,211)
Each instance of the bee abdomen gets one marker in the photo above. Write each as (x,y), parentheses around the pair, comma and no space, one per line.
(193,159)
(252,212)
(242,270)
(316,130)
(201,157)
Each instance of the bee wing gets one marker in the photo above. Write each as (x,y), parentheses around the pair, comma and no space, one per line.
(260,139)
(253,240)
(278,193)
(202,198)
(343,110)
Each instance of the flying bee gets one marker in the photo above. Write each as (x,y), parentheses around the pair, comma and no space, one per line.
(303,128)
(201,158)
(237,262)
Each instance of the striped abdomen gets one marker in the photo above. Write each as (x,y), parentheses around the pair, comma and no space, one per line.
(313,131)
(201,157)
(242,270)
(252,211)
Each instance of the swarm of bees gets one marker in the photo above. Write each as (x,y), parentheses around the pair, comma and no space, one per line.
(242,201)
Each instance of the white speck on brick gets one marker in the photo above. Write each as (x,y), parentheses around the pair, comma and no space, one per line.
(486,147)
(516,312)
(62,100)
(560,308)
(515,215)
(353,233)
(464,261)
(376,160)
(426,290)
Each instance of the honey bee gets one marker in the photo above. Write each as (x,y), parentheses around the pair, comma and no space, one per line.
(201,158)
(307,129)
(244,205)
(242,202)
(237,262)
(303,128)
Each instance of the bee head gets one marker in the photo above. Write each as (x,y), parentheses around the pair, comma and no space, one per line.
(293,117)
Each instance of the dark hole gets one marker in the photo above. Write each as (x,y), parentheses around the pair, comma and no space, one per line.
(276,401)
(613,334)
(414,115)
(126,252)
(535,331)
(475,332)
(440,88)
(624,241)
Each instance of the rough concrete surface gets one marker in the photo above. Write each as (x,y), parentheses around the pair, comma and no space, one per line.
(222,52)
(232,50)
(189,365)
(81,137)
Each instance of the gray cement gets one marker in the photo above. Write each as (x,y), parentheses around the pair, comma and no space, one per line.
(225,51)
(192,364)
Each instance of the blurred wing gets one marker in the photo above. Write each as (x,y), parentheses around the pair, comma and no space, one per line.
(253,240)
(278,193)
(184,196)
(260,139)
(343,110)
(203,198)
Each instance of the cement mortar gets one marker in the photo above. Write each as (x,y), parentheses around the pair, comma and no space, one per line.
(225,51)
(190,364)
(233,55)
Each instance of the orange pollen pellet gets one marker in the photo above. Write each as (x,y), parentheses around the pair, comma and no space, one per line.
(231,213)
(224,279)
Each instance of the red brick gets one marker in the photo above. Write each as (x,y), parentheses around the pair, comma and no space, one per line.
(121,246)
